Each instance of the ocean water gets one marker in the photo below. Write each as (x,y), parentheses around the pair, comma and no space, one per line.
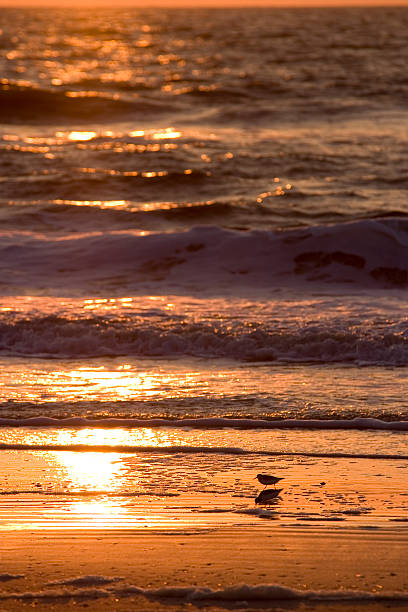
(204,265)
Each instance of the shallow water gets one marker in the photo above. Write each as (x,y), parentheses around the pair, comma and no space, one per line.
(194,487)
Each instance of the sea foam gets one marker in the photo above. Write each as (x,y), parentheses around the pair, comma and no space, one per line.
(237,595)
(158,334)
(359,423)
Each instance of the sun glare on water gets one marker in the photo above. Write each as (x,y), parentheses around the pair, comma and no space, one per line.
(81,135)
(123,383)
(76,135)
(88,471)
(89,489)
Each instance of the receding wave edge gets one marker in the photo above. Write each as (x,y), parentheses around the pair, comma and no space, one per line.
(361,423)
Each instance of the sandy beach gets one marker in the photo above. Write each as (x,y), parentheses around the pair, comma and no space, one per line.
(103,569)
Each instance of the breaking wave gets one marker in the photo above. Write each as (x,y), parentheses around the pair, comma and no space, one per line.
(370,253)
(163,335)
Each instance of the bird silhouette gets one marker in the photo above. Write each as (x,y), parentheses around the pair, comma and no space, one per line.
(266,479)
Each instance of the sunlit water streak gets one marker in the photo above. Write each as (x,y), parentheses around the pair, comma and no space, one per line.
(192,388)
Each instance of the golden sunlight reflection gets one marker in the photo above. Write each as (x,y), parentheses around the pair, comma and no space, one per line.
(81,135)
(97,509)
(159,134)
(167,133)
(96,203)
(76,135)
(115,440)
(122,381)
(118,380)
(95,485)
(97,488)
(144,436)
(88,471)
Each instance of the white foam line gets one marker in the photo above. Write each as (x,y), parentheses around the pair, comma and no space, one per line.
(56,594)
(209,423)
(260,593)
(239,595)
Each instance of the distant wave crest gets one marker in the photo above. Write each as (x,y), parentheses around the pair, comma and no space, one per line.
(27,103)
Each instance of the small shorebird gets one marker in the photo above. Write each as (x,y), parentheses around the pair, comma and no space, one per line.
(266,479)
(266,496)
